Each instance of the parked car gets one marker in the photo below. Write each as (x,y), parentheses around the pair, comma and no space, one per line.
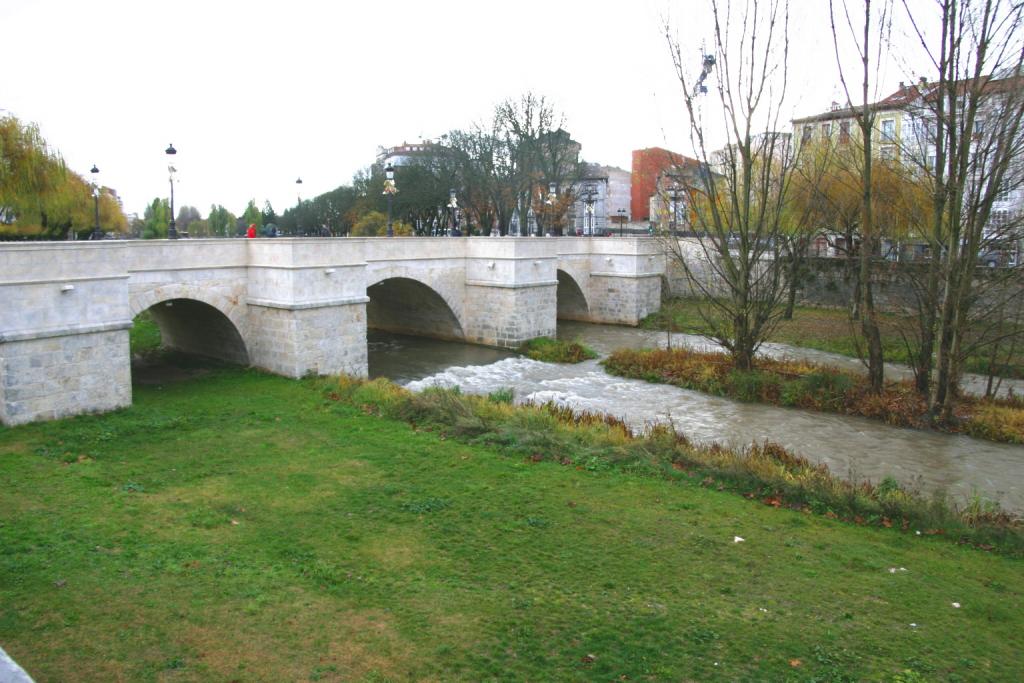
(996,258)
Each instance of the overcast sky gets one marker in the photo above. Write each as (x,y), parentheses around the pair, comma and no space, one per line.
(255,94)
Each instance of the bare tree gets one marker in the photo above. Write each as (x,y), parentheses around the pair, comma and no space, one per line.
(871,45)
(543,153)
(737,194)
(971,118)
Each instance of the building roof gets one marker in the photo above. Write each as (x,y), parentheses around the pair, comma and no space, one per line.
(906,95)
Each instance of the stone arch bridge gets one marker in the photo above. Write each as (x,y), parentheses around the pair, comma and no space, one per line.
(290,306)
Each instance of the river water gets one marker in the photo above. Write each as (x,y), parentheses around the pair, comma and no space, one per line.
(851,447)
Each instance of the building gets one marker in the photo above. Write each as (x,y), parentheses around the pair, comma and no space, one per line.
(648,165)
(407,154)
(839,125)
(601,200)
(904,132)
(675,191)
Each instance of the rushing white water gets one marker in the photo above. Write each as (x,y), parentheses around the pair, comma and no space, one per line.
(850,446)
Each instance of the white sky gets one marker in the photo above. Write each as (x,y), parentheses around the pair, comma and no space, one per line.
(255,94)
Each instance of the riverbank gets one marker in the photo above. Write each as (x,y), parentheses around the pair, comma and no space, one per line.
(831,330)
(239,526)
(813,387)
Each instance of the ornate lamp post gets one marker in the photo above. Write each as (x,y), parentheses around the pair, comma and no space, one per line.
(550,201)
(589,197)
(622,219)
(96,233)
(172,232)
(298,205)
(674,194)
(390,189)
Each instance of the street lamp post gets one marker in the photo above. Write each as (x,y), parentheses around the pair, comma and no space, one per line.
(453,205)
(172,232)
(390,189)
(550,201)
(96,234)
(589,197)
(298,205)
(622,219)
(674,193)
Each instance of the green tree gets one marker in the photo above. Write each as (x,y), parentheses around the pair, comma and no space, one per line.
(155,219)
(268,216)
(30,173)
(186,216)
(221,221)
(375,224)
(252,215)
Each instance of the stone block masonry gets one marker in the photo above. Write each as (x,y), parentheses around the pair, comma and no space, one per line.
(45,378)
(291,306)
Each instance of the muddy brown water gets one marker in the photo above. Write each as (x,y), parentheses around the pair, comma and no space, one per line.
(850,446)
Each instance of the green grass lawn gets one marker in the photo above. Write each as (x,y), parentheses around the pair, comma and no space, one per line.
(241,527)
(824,329)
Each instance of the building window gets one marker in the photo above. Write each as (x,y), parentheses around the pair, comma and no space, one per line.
(930,163)
(889,129)
(887,152)
(1004,191)
(808,131)
(844,132)
(826,130)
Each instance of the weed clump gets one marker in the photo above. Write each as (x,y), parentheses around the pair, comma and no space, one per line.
(556,351)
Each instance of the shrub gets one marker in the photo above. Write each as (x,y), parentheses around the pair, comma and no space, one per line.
(752,385)
(556,351)
(989,420)
(502,395)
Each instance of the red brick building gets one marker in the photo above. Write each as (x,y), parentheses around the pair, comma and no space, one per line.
(648,164)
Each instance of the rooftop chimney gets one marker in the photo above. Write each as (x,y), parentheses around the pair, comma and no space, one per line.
(835,106)
(923,81)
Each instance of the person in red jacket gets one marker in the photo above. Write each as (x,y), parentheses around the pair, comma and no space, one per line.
(251,232)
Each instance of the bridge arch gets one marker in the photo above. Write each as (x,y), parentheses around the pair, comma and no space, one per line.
(571,301)
(409,306)
(196,321)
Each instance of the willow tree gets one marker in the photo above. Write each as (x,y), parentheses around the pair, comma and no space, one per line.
(30,172)
(739,189)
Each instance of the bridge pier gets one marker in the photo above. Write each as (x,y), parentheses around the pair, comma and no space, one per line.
(511,291)
(307,307)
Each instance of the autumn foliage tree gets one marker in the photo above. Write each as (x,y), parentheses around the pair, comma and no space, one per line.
(40,197)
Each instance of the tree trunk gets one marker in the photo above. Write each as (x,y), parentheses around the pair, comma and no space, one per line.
(794,283)
(924,361)
(869,324)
